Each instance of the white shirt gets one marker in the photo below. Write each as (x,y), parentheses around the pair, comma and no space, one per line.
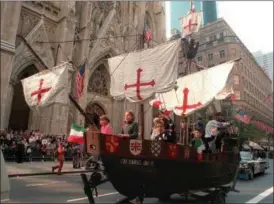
(32,139)
(8,136)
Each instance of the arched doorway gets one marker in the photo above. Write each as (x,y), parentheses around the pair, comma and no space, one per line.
(19,115)
(94,111)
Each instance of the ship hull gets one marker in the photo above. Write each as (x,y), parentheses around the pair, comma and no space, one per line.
(165,177)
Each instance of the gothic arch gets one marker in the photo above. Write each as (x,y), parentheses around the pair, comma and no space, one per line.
(111,51)
(23,58)
(94,110)
(20,112)
(16,71)
(96,107)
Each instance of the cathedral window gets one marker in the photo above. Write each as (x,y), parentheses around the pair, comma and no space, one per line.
(99,81)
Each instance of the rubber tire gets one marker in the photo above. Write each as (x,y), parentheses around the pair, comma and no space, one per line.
(219,198)
(251,174)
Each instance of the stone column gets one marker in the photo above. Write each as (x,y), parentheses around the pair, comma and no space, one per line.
(10,16)
(81,54)
(59,113)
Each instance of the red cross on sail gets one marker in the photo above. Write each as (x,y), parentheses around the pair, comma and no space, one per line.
(139,84)
(140,74)
(40,91)
(47,87)
(186,105)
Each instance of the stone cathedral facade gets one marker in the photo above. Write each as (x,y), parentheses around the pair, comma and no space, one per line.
(39,35)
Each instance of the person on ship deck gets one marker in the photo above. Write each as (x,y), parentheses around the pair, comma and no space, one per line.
(170,134)
(130,127)
(212,131)
(158,129)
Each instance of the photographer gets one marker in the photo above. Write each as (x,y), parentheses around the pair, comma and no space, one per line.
(212,131)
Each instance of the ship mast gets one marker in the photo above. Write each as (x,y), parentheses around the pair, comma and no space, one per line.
(189,49)
(141,106)
(141,39)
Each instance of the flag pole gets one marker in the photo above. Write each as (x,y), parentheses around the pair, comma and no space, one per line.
(190,48)
(142,112)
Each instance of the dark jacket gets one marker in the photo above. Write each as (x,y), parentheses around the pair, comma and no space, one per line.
(170,131)
(131,129)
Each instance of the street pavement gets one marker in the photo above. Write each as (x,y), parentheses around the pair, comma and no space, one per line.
(68,189)
(15,169)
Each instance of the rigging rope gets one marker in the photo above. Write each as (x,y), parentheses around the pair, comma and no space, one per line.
(84,39)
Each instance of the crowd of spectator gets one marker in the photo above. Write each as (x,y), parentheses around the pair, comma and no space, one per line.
(36,144)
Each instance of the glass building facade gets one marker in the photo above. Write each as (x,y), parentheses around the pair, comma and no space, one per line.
(209,11)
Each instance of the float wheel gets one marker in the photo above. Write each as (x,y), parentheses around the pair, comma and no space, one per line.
(219,198)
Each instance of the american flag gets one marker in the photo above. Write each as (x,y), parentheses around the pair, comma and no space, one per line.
(241,116)
(80,80)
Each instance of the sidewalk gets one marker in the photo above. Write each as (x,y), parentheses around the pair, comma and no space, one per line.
(35,168)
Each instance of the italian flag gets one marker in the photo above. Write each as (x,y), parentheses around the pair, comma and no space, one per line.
(76,134)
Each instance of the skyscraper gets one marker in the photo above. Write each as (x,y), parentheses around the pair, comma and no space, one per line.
(265,61)
(174,11)
(209,11)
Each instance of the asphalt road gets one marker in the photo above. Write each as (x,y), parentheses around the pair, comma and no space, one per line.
(68,189)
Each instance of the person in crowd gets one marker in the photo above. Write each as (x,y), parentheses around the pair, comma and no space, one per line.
(19,152)
(130,128)
(76,155)
(9,143)
(158,129)
(61,158)
(44,151)
(29,153)
(105,125)
(212,130)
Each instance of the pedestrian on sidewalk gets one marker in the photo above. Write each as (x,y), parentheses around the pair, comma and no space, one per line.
(76,156)
(61,158)
(29,153)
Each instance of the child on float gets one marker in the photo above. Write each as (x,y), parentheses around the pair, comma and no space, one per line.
(198,143)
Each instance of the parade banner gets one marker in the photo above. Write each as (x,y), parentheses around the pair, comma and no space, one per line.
(47,87)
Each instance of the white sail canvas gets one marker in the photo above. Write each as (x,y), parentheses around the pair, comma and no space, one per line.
(138,75)
(47,87)
(197,90)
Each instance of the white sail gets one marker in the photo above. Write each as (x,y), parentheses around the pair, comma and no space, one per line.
(138,75)
(47,87)
(197,90)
